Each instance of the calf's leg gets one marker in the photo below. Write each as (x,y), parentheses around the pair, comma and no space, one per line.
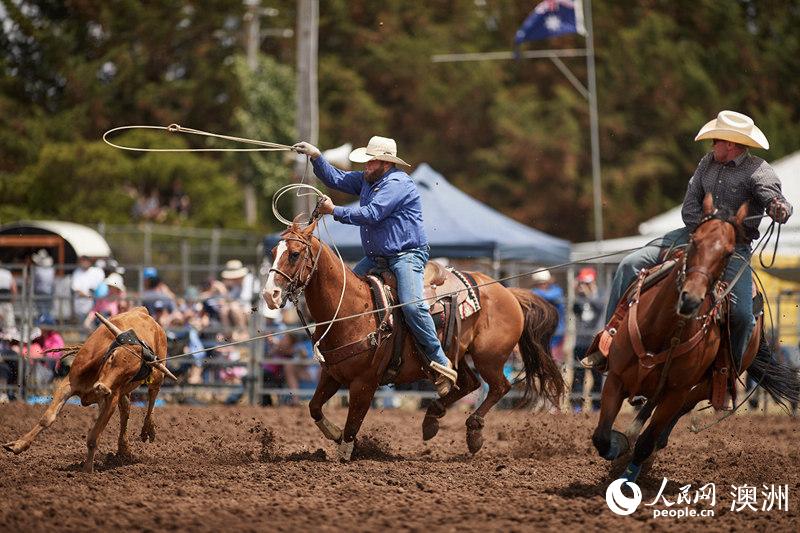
(106,410)
(63,393)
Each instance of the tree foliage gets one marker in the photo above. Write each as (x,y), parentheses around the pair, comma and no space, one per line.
(513,133)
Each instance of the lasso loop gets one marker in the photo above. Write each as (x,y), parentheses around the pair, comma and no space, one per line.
(265,146)
(294,187)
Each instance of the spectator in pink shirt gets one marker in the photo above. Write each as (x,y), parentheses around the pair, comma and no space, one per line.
(108,305)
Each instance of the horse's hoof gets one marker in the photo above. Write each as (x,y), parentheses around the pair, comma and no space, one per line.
(148,432)
(632,472)
(330,430)
(618,445)
(474,441)
(15,447)
(430,427)
(345,450)
(124,452)
(648,463)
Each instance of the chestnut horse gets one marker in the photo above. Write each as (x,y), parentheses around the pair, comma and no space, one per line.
(678,318)
(303,264)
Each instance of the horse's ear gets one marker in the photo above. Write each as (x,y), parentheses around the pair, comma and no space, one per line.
(309,230)
(708,204)
(741,213)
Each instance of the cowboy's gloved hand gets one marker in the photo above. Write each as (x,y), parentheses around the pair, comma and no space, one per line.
(308,149)
(326,206)
(779,210)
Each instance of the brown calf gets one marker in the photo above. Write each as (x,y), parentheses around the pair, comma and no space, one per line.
(109,365)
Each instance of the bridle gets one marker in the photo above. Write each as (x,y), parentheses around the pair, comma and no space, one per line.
(296,286)
(713,282)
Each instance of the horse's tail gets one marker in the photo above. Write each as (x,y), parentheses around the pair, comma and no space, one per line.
(780,380)
(541,320)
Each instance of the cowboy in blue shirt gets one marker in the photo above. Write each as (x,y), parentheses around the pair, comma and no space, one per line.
(390,217)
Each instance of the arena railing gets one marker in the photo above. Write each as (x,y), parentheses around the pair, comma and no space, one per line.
(248,373)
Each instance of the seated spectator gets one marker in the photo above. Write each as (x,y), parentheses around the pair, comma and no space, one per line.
(39,371)
(44,277)
(149,207)
(213,296)
(156,290)
(545,286)
(179,202)
(8,292)
(162,313)
(239,284)
(85,279)
(8,361)
(231,374)
(50,340)
(6,377)
(107,305)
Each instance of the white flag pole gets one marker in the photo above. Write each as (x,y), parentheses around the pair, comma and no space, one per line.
(593,123)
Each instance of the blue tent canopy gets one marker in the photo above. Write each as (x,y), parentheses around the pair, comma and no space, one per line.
(458,226)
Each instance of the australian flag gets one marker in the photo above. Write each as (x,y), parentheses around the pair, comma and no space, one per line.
(551,18)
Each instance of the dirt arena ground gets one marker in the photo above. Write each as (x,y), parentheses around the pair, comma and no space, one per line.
(256,469)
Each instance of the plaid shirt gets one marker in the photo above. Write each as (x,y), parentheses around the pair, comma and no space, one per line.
(745,179)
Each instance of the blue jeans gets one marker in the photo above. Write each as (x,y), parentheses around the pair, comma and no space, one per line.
(409,268)
(741,313)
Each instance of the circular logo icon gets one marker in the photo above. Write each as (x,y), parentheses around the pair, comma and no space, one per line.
(618,502)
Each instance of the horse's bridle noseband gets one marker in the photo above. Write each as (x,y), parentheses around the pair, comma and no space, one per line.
(296,287)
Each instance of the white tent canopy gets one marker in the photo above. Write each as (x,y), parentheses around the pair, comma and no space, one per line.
(83,239)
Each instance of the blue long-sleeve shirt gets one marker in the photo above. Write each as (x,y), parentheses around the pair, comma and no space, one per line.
(389,212)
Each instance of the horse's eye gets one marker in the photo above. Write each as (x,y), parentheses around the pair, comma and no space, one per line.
(294,255)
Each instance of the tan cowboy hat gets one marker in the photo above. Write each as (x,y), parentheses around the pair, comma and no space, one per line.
(234,270)
(734,127)
(380,148)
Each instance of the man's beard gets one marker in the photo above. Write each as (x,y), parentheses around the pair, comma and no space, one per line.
(373,176)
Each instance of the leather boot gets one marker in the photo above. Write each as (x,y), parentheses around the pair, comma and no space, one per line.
(446,377)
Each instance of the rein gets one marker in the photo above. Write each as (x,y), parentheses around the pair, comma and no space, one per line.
(676,347)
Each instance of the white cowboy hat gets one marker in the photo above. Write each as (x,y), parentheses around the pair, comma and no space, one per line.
(116,281)
(380,148)
(42,258)
(734,127)
(542,276)
(234,270)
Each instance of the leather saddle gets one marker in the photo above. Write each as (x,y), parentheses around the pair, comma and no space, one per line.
(451,295)
(440,282)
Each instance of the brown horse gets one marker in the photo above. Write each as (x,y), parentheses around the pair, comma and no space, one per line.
(677,319)
(302,263)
